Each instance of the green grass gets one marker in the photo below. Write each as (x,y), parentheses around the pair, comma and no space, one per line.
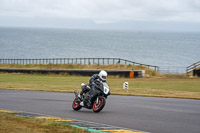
(41,82)
(15,124)
(166,86)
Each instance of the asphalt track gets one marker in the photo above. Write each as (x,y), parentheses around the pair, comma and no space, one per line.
(156,115)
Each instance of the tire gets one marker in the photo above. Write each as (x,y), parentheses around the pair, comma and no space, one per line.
(98,107)
(76,105)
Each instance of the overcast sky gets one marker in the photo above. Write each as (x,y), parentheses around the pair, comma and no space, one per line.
(101,13)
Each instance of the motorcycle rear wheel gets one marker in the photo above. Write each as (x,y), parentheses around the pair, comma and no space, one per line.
(76,105)
(97,107)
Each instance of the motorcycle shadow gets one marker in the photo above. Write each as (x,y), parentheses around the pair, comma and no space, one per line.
(86,111)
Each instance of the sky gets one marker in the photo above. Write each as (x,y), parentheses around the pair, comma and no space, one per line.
(177,15)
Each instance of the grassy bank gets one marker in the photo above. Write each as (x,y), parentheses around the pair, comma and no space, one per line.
(15,124)
(162,86)
(73,66)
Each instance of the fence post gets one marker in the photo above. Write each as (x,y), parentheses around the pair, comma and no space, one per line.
(167,69)
(119,61)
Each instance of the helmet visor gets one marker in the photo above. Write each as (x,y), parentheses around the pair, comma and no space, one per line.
(104,77)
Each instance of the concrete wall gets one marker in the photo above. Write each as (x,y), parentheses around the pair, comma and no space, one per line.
(196,73)
(121,73)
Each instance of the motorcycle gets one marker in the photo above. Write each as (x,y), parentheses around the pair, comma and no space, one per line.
(94,99)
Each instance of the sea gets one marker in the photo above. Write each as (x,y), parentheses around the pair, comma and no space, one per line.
(164,49)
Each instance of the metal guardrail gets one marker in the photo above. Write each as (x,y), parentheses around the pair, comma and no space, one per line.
(192,67)
(84,61)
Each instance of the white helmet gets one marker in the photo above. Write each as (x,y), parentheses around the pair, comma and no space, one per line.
(103,75)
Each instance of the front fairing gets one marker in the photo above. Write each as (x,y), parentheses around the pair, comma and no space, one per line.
(106,89)
(101,89)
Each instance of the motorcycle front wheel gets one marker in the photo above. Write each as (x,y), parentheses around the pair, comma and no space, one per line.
(97,107)
(76,105)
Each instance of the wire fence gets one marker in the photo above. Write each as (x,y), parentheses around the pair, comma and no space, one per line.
(101,61)
(172,70)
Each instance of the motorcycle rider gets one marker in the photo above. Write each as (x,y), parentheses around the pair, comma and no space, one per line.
(95,80)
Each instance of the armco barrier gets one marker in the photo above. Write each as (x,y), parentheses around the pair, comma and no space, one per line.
(121,73)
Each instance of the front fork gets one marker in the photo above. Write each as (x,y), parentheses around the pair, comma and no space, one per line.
(97,101)
(77,95)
